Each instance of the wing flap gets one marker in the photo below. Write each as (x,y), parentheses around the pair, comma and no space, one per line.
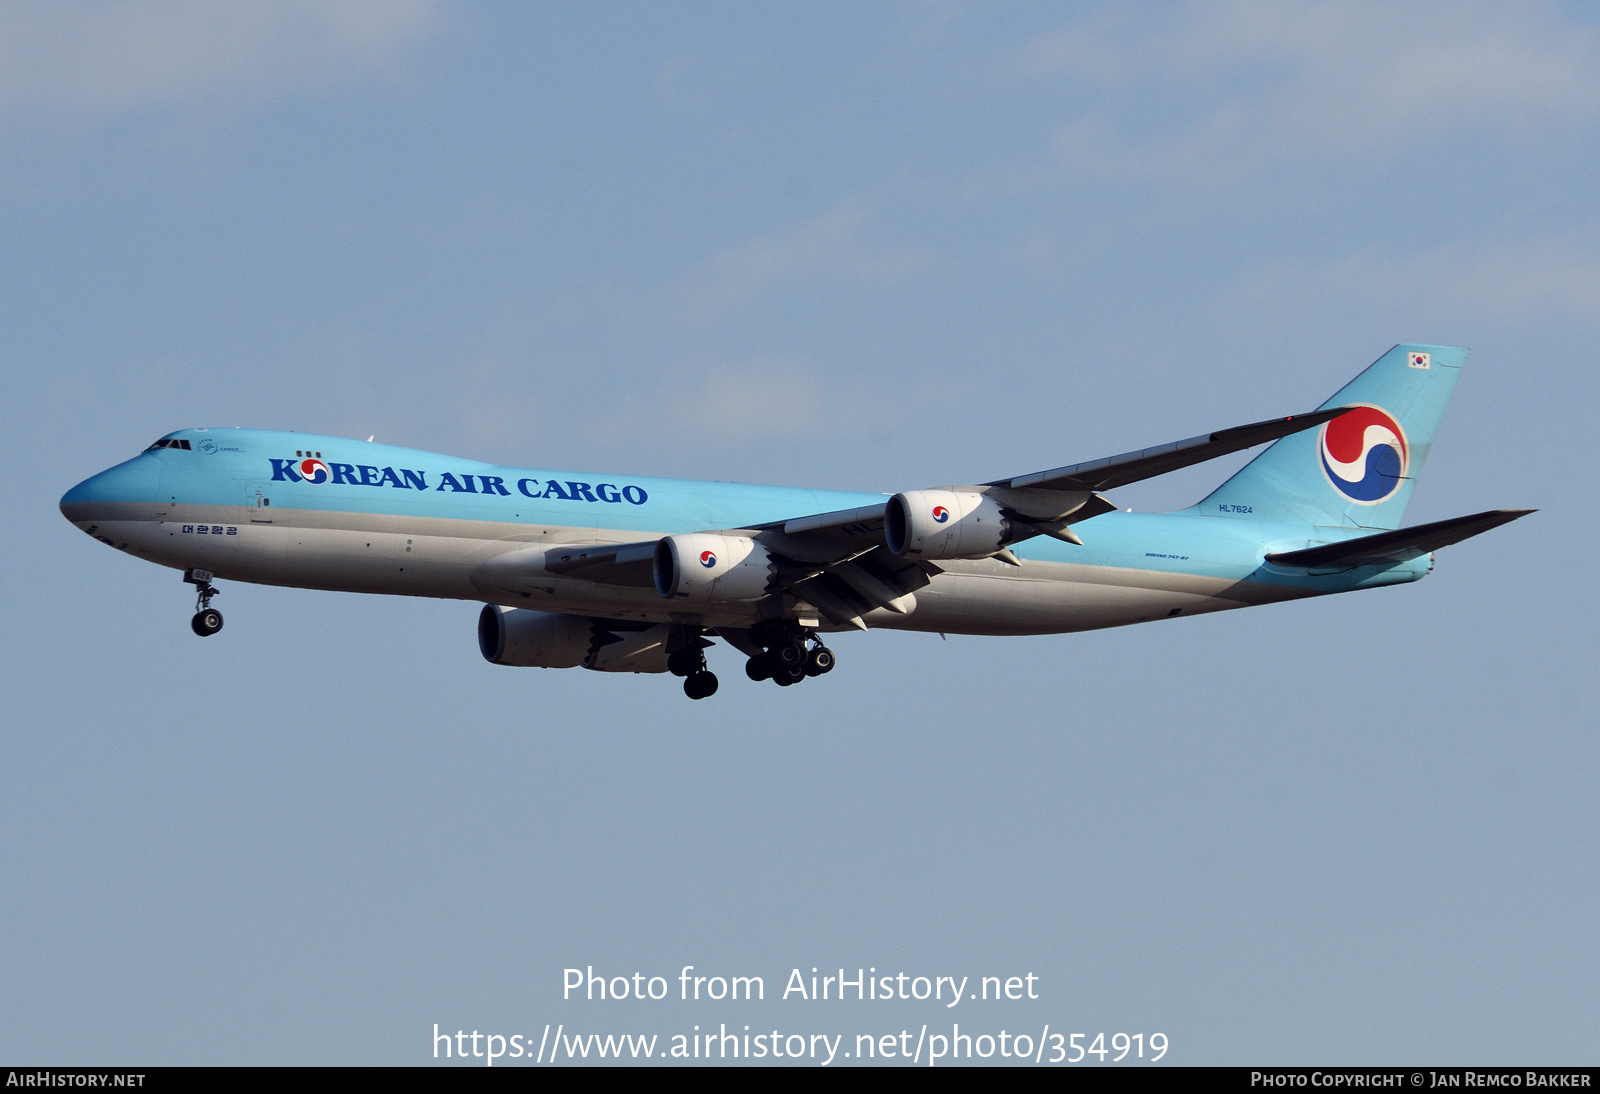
(1398,546)
(824,538)
(873,588)
(1057,527)
(829,602)
(842,521)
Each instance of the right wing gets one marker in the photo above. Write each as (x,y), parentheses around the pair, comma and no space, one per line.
(1047,501)
(839,561)
(1147,463)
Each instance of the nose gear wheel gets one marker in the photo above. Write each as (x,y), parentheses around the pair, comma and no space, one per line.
(207,620)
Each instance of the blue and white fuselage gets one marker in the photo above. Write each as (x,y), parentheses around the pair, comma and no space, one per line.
(761,565)
(401,521)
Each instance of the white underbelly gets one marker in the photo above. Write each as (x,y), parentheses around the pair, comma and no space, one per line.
(386,556)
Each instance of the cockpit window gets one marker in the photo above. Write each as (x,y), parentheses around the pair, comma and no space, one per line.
(170,442)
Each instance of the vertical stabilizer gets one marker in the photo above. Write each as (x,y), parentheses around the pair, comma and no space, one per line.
(1358,470)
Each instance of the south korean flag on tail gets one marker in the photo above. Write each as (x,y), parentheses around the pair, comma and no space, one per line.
(1420,360)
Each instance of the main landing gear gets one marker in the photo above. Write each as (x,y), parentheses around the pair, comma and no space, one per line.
(789,654)
(207,620)
(699,682)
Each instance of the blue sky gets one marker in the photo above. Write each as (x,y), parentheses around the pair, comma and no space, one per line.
(855,248)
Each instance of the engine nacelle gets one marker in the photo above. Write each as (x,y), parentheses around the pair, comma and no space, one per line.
(532,639)
(944,524)
(549,640)
(704,568)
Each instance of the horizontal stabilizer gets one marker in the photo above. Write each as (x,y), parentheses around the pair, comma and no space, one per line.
(1147,463)
(1398,546)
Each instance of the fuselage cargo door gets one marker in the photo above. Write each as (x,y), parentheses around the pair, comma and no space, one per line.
(258,501)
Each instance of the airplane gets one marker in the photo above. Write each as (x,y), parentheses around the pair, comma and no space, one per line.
(625,573)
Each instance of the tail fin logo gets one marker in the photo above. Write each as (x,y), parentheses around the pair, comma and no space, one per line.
(1364,454)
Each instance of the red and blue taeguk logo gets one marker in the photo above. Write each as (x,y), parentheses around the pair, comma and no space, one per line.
(940,514)
(1364,455)
(313,471)
(708,559)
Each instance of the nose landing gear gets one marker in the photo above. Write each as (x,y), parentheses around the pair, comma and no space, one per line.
(207,620)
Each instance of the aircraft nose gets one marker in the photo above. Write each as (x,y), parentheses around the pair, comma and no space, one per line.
(99,497)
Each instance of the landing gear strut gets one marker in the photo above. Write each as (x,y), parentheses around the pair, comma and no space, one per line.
(789,654)
(699,682)
(207,620)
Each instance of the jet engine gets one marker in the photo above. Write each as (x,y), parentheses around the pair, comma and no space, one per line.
(704,568)
(520,636)
(944,524)
(549,640)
